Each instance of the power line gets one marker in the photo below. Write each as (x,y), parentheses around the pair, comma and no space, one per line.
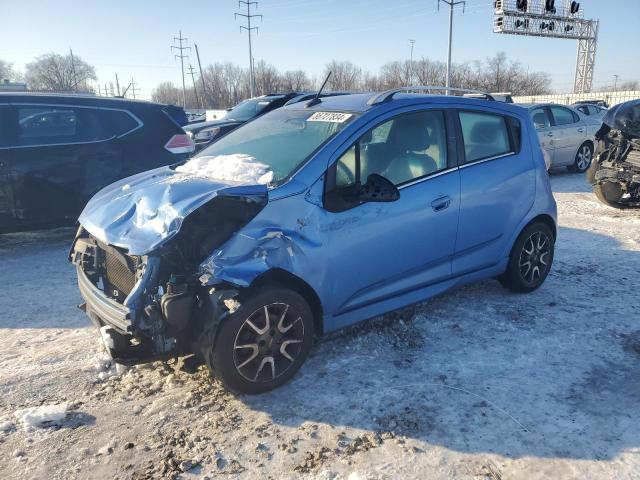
(248,16)
(451,4)
(193,79)
(181,56)
(412,42)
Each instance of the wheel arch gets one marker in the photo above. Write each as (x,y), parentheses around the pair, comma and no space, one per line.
(297,284)
(547,220)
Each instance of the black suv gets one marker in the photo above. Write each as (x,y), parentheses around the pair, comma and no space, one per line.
(57,151)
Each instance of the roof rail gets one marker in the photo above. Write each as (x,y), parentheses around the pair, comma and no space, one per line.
(388,95)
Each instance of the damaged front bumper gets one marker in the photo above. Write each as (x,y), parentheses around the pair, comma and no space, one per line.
(102,310)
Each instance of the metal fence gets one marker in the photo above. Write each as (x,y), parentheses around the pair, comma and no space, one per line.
(612,98)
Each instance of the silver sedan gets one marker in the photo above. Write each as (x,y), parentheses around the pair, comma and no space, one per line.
(565,134)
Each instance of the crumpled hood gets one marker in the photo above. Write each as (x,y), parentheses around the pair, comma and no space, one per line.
(144,211)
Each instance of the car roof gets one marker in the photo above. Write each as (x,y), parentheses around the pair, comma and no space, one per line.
(78,99)
(359,102)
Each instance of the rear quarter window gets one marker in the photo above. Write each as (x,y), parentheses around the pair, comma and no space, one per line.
(119,122)
(485,135)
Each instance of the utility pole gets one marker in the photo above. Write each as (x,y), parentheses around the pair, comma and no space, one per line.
(249,28)
(106,92)
(181,56)
(193,79)
(451,4)
(73,67)
(204,91)
(615,82)
(99,91)
(411,44)
(118,84)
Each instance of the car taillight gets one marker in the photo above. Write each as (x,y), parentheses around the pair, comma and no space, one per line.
(181,143)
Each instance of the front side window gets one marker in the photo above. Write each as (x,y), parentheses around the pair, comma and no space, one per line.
(563,116)
(405,148)
(485,135)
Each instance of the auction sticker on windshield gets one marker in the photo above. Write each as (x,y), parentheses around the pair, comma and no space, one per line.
(334,117)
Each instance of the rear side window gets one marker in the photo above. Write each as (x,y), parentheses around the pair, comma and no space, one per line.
(563,116)
(485,135)
(38,125)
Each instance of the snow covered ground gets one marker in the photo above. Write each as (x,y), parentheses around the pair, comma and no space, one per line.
(478,383)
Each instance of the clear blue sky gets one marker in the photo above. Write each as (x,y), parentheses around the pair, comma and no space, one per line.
(132,38)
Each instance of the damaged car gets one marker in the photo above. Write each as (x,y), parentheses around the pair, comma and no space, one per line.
(309,219)
(615,173)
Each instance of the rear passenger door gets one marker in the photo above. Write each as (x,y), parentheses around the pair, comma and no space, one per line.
(497,187)
(569,133)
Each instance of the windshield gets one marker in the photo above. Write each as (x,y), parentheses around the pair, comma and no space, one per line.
(248,109)
(281,140)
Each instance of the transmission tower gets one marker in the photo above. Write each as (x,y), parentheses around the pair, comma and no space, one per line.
(542,18)
(133,88)
(248,16)
(181,48)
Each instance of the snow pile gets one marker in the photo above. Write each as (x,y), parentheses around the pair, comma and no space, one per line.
(35,416)
(232,168)
(5,425)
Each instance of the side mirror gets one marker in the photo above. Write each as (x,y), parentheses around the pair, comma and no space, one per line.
(378,189)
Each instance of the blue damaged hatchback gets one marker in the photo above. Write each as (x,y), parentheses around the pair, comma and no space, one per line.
(311,218)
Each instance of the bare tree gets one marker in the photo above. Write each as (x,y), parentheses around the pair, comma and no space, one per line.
(630,85)
(266,77)
(295,81)
(344,75)
(7,71)
(59,73)
(168,93)
(227,84)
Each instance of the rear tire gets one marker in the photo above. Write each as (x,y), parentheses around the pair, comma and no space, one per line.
(530,259)
(584,157)
(263,343)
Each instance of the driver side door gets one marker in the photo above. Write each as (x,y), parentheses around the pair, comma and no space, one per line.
(381,251)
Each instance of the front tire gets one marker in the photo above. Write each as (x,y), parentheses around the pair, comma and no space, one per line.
(609,193)
(263,343)
(530,259)
(583,159)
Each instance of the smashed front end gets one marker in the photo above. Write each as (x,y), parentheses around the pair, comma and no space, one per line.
(615,173)
(138,254)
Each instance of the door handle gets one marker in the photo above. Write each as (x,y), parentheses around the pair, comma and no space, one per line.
(581,130)
(441,203)
(550,134)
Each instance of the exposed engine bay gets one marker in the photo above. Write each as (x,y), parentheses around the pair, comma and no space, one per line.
(615,172)
(154,306)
